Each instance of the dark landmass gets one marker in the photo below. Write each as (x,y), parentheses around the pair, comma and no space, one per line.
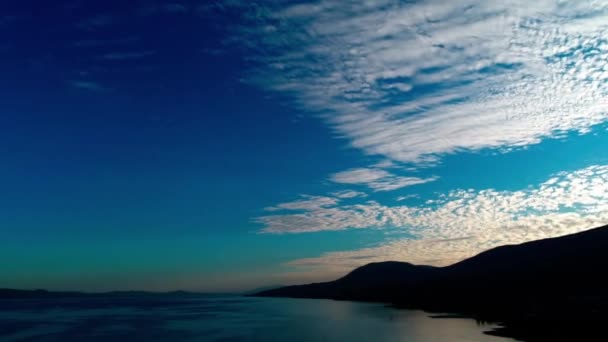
(547,290)
(261,289)
(444,316)
(20,294)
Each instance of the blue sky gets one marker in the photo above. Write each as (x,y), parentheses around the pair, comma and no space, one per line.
(227,145)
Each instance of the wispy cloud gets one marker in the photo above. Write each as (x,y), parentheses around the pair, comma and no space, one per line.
(120,56)
(377,179)
(88,85)
(97,22)
(458,224)
(170,8)
(403,198)
(306,203)
(413,81)
(175,7)
(348,194)
(105,42)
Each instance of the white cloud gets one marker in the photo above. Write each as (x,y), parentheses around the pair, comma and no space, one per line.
(403,198)
(348,194)
(359,176)
(307,203)
(377,179)
(412,81)
(460,223)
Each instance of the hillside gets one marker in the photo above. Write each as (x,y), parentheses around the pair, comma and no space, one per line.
(559,279)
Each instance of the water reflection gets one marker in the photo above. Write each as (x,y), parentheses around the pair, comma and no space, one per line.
(226,319)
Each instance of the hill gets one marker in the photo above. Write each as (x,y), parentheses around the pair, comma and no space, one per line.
(526,286)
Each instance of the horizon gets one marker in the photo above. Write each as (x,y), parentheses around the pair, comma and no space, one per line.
(226,146)
(278,286)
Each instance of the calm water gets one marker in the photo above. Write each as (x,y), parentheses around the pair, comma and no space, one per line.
(224,318)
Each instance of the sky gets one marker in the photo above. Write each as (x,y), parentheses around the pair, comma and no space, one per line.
(227,145)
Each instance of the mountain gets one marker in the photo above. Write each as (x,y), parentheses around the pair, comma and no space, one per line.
(561,279)
(260,289)
(373,282)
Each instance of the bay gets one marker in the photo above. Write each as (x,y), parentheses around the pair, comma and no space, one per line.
(224,318)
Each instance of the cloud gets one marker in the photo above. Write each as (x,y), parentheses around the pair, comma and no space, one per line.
(88,85)
(170,8)
(175,8)
(105,42)
(377,179)
(349,194)
(97,22)
(458,224)
(359,176)
(409,82)
(403,198)
(414,81)
(458,213)
(323,218)
(306,203)
(385,164)
(120,56)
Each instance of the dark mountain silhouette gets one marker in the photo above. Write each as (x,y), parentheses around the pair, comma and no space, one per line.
(373,282)
(260,289)
(561,282)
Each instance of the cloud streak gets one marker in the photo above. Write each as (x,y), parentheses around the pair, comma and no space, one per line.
(96,23)
(121,56)
(88,85)
(377,179)
(306,203)
(349,194)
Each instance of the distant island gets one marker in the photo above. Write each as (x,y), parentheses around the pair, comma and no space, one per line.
(546,290)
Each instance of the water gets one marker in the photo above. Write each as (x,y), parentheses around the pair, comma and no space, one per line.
(224,318)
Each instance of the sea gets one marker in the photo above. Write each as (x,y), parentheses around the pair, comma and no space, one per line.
(224,318)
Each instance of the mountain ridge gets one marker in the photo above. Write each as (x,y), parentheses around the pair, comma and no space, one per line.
(561,279)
